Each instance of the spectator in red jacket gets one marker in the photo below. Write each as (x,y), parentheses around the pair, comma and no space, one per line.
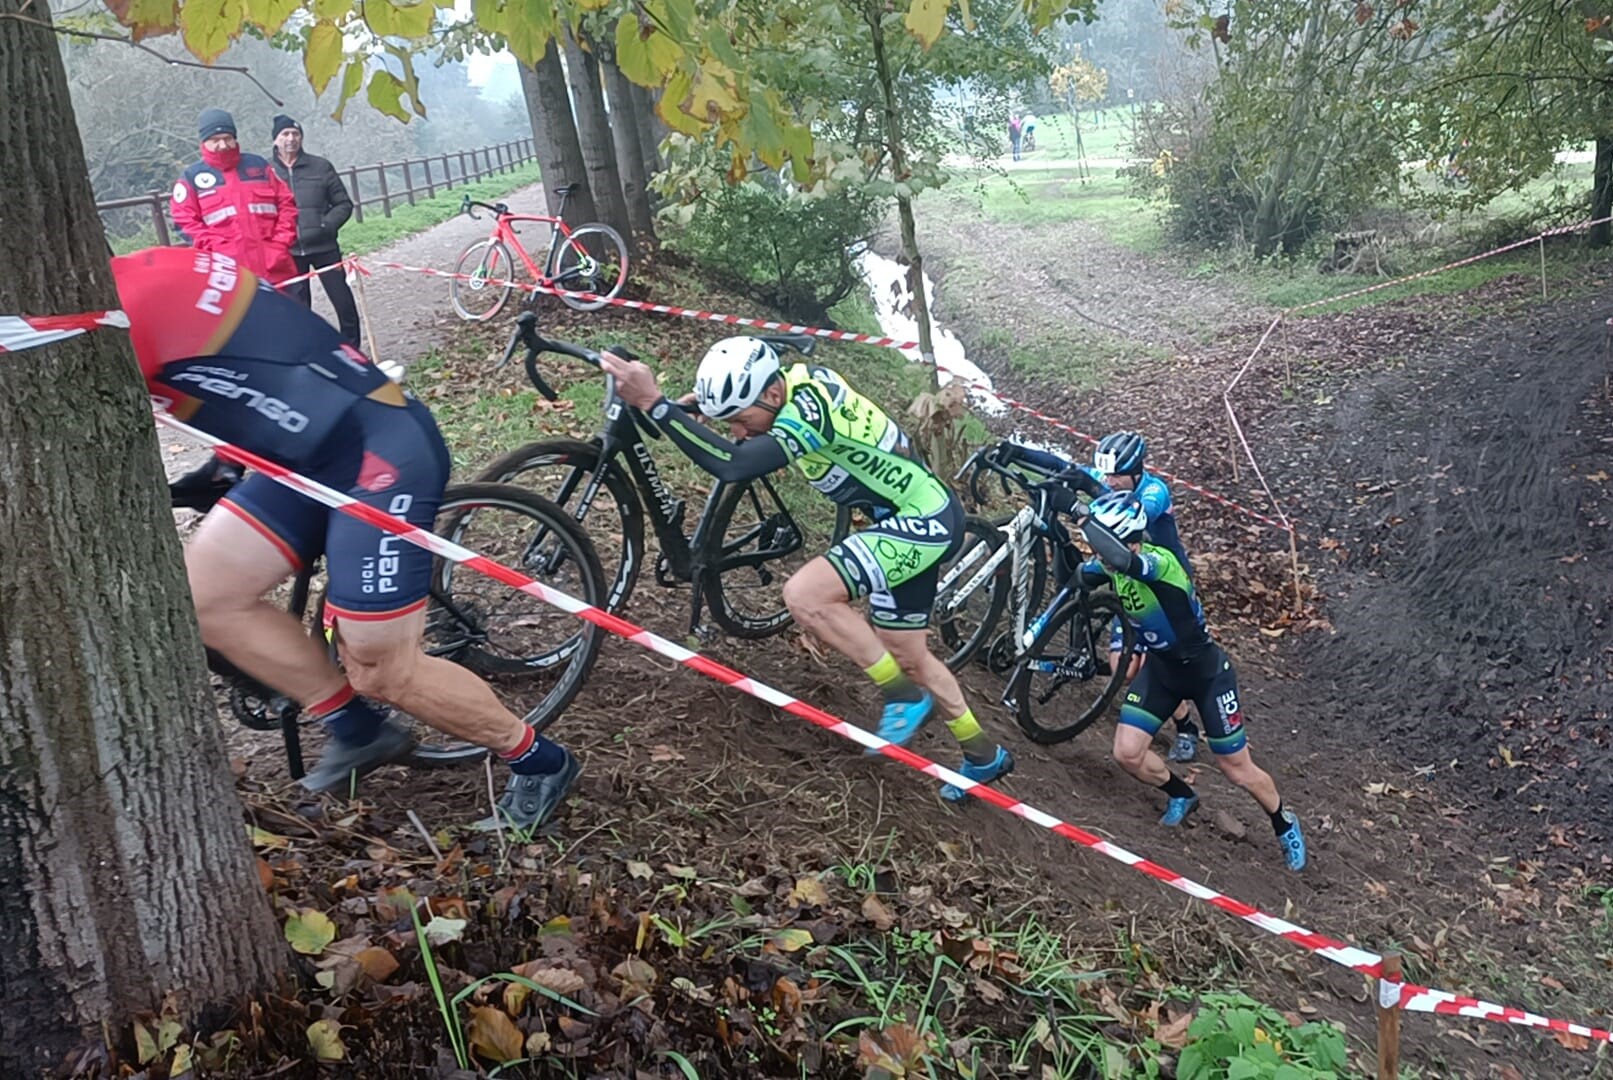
(234,203)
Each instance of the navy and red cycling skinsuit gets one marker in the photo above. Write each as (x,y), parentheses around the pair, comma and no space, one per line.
(230,356)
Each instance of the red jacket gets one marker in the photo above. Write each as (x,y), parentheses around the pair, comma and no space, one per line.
(234,204)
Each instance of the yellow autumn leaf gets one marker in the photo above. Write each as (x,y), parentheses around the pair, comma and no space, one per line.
(325,1038)
(792,940)
(270,15)
(146,18)
(322,56)
(386,94)
(309,931)
(494,1035)
(210,25)
(926,19)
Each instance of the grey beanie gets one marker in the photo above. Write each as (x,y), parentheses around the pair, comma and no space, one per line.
(215,122)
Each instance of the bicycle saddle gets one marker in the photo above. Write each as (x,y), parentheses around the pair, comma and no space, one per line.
(569,189)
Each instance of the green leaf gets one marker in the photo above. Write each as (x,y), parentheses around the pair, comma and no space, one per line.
(309,931)
(352,79)
(399,20)
(670,107)
(527,26)
(1240,1068)
(210,25)
(792,940)
(723,49)
(183,1062)
(645,54)
(325,1037)
(386,93)
(331,10)
(270,15)
(926,19)
(145,1045)
(322,56)
(411,86)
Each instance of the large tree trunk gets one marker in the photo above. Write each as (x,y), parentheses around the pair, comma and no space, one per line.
(124,868)
(1602,192)
(650,129)
(554,136)
(593,131)
(629,152)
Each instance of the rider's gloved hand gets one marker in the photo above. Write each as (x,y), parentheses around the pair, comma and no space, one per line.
(623,351)
(1054,497)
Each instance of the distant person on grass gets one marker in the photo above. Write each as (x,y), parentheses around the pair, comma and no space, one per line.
(1027,133)
(1015,133)
(323,207)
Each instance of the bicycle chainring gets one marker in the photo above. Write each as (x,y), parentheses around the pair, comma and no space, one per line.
(1000,659)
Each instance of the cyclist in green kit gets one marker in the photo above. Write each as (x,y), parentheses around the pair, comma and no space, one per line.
(857,456)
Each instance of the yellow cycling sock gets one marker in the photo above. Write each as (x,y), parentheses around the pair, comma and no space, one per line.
(892,681)
(977,746)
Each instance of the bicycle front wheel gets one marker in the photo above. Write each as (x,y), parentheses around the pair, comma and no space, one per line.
(514,639)
(759,534)
(967,605)
(474,291)
(591,260)
(1069,659)
(560,470)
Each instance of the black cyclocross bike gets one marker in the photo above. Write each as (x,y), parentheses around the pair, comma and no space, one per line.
(747,542)
(494,630)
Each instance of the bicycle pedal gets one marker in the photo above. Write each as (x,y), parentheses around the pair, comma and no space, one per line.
(702,635)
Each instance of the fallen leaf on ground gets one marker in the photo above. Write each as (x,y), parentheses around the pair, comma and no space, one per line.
(875,911)
(1174,1033)
(325,1037)
(559,980)
(378,963)
(809,890)
(309,930)
(494,1035)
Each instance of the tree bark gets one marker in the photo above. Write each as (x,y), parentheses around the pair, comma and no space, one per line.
(624,128)
(1602,193)
(651,130)
(554,136)
(593,132)
(124,871)
(904,203)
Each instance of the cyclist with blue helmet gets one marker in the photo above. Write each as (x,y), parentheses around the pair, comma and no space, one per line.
(1117,465)
(1185,665)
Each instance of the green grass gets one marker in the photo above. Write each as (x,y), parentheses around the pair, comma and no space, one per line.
(1056,135)
(1050,196)
(377,230)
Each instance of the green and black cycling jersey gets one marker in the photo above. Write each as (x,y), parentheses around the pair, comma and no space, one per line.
(1158,597)
(847,446)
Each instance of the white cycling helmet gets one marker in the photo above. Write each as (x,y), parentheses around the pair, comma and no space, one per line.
(1122,513)
(733,375)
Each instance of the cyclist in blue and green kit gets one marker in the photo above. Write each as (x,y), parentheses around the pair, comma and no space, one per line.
(1184,664)
(857,456)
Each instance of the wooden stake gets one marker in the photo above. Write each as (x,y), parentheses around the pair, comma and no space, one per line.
(1232,444)
(1388,1022)
(1293,555)
(1543,266)
(370,348)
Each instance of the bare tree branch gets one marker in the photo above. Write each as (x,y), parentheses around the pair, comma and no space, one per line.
(172,61)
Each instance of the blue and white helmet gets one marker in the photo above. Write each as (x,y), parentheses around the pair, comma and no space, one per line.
(733,375)
(1122,513)
(1120,454)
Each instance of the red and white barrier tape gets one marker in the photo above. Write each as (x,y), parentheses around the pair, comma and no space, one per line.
(1409,995)
(19,332)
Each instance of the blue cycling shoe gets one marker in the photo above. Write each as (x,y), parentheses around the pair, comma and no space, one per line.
(1178,808)
(902,720)
(995,769)
(1293,842)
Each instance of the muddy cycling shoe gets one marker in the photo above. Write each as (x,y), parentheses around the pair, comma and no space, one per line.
(1293,842)
(995,769)
(1177,809)
(1185,749)
(902,720)
(342,763)
(530,801)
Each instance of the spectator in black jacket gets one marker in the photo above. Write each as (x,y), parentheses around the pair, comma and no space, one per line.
(322,209)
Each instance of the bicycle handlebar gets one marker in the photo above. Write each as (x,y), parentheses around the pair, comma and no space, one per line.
(468,206)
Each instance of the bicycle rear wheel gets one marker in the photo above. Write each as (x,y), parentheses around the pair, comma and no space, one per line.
(593,259)
(510,637)
(760,533)
(472,290)
(1069,658)
(966,610)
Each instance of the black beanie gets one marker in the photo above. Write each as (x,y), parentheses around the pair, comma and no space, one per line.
(281,122)
(215,122)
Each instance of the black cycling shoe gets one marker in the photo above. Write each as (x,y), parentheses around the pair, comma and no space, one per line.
(341,763)
(529,802)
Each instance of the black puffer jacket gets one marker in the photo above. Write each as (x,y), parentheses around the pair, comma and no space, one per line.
(322,203)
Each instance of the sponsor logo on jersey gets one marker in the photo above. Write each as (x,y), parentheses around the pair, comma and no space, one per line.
(1227,705)
(274,410)
(378,573)
(806,403)
(222,277)
(914,526)
(376,473)
(893,473)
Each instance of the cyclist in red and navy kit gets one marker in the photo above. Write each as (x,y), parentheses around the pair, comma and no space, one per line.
(232,357)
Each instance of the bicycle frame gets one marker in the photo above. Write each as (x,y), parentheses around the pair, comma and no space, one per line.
(504,232)
(1021,535)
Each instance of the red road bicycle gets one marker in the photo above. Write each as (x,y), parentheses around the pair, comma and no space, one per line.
(589,259)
